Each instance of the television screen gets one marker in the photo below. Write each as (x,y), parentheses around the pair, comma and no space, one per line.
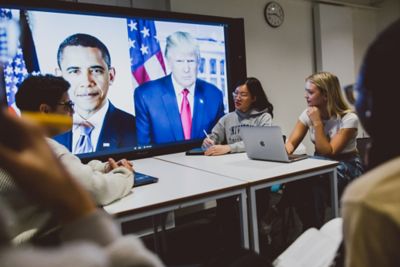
(143,82)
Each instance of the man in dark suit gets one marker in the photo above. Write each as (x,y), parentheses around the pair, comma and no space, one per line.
(178,106)
(85,63)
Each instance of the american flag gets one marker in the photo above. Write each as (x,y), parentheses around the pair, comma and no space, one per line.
(15,69)
(147,62)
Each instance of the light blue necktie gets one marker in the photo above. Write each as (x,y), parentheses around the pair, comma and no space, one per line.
(84,144)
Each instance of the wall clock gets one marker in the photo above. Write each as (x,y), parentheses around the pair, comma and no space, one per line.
(273,13)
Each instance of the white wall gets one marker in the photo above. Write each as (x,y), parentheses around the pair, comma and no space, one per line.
(334,41)
(389,12)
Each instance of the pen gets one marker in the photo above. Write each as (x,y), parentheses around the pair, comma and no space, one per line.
(204,131)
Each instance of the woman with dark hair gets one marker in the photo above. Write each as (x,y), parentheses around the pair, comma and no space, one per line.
(252,108)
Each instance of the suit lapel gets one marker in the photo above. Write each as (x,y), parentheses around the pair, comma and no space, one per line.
(68,140)
(108,134)
(198,110)
(172,110)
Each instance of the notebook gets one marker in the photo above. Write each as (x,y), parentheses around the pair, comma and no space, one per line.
(143,179)
(266,143)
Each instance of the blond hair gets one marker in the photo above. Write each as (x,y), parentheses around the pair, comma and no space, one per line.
(183,42)
(329,86)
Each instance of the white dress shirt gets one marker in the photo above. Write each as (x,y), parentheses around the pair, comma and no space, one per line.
(96,120)
(179,96)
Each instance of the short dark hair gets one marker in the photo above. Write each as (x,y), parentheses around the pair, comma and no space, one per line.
(85,40)
(40,89)
(378,94)
(256,90)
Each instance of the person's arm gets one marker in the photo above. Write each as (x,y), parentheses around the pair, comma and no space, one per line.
(264,119)
(110,165)
(143,128)
(295,138)
(93,240)
(217,137)
(104,186)
(38,173)
(217,150)
(207,142)
(370,236)
(120,163)
(324,146)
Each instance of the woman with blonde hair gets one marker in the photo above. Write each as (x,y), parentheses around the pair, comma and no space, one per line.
(333,129)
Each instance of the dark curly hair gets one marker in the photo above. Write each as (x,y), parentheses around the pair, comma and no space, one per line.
(40,89)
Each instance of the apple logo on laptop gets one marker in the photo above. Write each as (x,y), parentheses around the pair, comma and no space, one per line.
(262,143)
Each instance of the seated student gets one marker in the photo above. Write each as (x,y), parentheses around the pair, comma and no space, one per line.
(90,238)
(105,181)
(252,108)
(333,129)
(371,213)
(332,124)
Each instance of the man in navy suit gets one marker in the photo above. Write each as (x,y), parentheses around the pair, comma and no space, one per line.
(178,106)
(85,63)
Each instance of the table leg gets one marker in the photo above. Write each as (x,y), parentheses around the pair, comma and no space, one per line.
(244,219)
(334,193)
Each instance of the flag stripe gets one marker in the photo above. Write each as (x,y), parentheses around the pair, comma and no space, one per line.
(154,65)
(141,75)
(161,60)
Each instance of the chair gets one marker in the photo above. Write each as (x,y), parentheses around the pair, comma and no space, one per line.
(363,144)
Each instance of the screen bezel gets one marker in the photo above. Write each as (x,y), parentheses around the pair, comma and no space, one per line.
(235,56)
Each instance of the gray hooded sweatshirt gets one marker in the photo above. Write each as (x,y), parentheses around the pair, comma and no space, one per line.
(227,130)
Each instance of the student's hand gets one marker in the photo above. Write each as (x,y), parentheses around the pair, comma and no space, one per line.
(315,115)
(217,150)
(37,172)
(289,148)
(112,164)
(207,143)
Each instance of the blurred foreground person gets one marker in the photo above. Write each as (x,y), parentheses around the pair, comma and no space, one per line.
(45,99)
(371,204)
(90,238)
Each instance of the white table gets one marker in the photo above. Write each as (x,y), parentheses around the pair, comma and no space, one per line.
(178,187)
(259,174)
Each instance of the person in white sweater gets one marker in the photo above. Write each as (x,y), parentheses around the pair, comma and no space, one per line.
(106,182)
(89,236)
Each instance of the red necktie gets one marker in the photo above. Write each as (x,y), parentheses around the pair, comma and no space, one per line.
(186,116)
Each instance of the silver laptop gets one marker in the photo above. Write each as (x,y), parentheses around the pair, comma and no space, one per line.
(266,143)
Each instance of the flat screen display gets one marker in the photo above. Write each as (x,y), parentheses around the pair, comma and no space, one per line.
(142,80)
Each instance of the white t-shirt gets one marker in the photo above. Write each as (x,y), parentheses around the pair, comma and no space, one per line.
(332,127)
